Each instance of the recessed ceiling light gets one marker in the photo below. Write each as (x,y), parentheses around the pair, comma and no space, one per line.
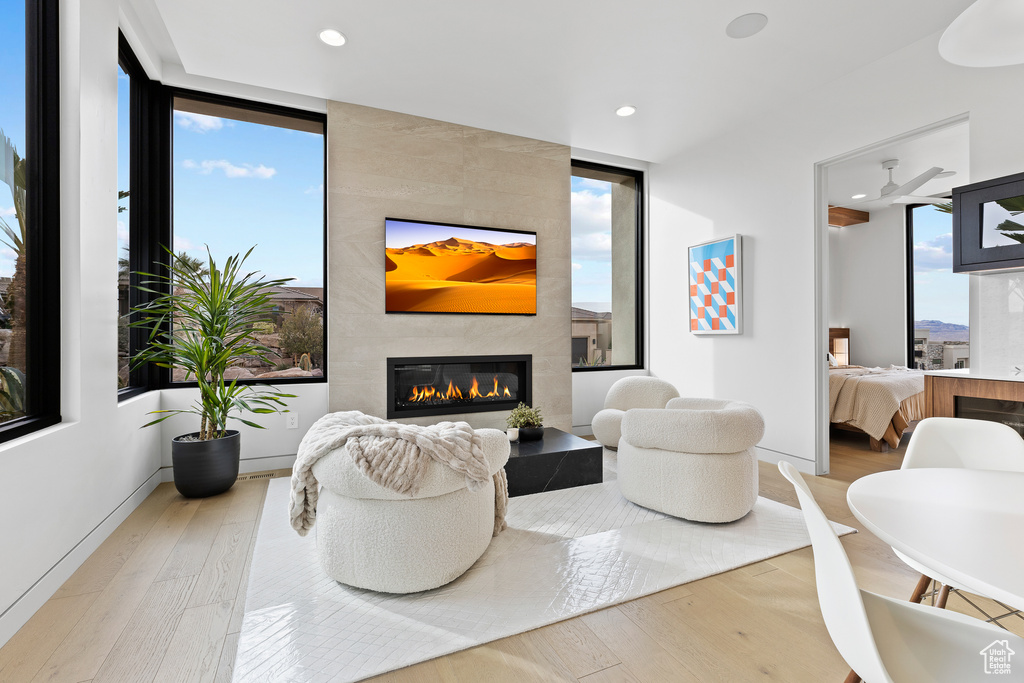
(626,110)
(332,37)
(858,196)
(746,25)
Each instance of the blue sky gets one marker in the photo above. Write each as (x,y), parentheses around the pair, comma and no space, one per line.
(12,104)
(939,293)
(400,234)
(237,184)
(591,244)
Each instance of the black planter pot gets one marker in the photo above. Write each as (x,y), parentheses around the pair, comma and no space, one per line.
(531,433)
(205,468)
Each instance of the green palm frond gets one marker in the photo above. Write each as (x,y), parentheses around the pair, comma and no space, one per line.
(205,324)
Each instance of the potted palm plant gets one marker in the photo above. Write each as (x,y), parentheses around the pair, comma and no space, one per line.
(201,319)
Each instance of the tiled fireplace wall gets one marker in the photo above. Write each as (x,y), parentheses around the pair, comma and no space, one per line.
(383,163)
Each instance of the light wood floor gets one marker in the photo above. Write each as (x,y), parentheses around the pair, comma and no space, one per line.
(162,600)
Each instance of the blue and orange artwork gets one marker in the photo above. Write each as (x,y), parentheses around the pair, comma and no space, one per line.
(714,288)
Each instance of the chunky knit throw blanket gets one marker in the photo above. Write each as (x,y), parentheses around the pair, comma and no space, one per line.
(393,455)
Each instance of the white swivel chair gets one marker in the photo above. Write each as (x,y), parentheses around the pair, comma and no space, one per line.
(886,640)
(625,394)
(958,442)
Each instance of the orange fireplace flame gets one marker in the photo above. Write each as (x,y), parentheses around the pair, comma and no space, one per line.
(426,393)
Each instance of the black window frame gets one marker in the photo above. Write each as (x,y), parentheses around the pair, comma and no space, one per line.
(909,240)
(641,316)
(149,221)
(42,207)
(163,375)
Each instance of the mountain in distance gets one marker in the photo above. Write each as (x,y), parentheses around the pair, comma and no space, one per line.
(941,331)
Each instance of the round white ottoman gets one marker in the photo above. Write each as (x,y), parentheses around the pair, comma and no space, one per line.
(694,459)
(369,536)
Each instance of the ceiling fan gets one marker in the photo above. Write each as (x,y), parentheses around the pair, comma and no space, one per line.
(891,193)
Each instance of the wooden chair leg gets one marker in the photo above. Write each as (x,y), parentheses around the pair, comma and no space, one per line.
(943,595)
(919,589)
(852,678)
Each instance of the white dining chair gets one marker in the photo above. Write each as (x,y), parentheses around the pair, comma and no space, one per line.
(958,443)
(886,640)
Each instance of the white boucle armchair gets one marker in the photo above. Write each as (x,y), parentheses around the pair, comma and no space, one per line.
(627,393)
(369,536)
(694,459)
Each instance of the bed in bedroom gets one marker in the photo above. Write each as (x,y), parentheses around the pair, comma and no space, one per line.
(879,402)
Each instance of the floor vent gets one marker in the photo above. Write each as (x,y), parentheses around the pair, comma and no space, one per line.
(263,475)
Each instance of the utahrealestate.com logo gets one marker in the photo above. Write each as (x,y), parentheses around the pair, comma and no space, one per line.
(997,657)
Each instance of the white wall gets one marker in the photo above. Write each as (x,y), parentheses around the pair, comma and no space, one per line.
(759,181)
(273,447)
(868,286)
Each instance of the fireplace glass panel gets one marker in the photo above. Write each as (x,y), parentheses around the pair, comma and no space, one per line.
(436,386)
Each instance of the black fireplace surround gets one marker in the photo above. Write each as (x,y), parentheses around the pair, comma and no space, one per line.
(443,385)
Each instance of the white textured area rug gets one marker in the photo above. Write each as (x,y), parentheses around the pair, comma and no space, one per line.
(565,553)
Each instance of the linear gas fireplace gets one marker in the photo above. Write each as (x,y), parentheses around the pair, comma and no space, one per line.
(457,384)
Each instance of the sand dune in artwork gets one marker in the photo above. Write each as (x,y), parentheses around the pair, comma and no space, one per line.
(461,297)
(456,275)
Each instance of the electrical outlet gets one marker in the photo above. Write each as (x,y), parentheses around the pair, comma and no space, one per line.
(291,420)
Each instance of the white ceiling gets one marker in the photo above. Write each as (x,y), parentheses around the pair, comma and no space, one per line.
(548,69)
(947,148)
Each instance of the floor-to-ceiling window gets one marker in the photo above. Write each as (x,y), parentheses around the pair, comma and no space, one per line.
(937,301)
(607,302)
(249,175)
(29,216)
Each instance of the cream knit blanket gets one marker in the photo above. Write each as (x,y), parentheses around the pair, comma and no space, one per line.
(393,455)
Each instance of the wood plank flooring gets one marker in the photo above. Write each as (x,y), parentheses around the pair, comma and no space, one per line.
(162,600)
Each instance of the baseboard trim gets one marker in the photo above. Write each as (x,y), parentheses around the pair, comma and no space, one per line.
(801,464)
(29,602)
(267,462)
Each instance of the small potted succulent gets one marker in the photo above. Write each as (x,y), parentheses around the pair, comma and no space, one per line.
(528,421)
(203,319)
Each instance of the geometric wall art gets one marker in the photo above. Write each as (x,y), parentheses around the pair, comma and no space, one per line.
(714,269)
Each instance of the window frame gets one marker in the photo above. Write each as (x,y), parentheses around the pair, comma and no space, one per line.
(164,377)
(641,316)
(42,243)
(149,215)
(909,249)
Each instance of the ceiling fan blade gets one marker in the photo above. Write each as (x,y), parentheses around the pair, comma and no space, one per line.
(909,187)
(912,199)
(854,205)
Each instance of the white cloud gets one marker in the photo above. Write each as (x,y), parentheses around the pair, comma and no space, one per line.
(182,243)
(6,212)
(122,232)
(591,226)
(934,254)
(230,170)
(316,190)
(591,184)
(577,266)
(198,123)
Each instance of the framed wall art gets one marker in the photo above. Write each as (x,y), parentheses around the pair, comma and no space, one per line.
(714,280)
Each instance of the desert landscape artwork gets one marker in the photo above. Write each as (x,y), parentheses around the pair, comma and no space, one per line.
(438,268)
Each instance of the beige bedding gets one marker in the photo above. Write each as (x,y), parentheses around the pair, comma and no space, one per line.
(877,401)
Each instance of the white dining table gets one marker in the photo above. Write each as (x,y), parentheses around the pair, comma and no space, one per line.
(965,524)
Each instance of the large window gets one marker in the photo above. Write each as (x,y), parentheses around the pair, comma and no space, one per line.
(607,303)
(249,175)
(937,298)
(29,218)
(124,137)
